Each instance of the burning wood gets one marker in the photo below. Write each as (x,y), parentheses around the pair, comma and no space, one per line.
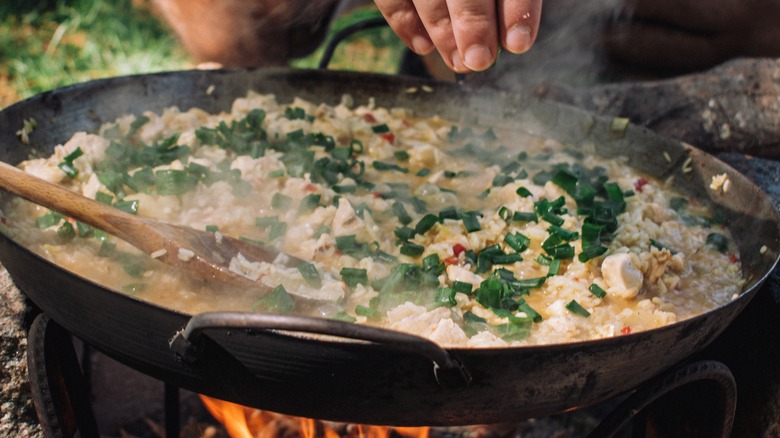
(244,422)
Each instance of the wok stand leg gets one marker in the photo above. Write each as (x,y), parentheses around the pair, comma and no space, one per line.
(697,399)
(172,426)
(58,387)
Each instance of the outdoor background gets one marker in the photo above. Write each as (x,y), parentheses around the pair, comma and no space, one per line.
(47,44)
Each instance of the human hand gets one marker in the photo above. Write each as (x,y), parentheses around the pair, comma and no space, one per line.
(465,32)
(686,35)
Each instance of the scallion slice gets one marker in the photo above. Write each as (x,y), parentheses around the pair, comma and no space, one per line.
(380,129)
(278,301)
(462,287)
(445,296)
(426,223)
(520,216)
(412,249)
(280,202)
(471,222)
(524,192)
(353,277)
(596,290)
(574,307)
(310,274)
(517,241)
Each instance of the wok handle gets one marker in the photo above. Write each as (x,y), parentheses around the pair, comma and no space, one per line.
(185,343)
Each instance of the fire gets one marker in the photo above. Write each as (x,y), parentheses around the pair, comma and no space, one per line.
(244,422)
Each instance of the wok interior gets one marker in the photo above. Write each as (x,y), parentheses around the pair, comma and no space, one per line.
(750,216)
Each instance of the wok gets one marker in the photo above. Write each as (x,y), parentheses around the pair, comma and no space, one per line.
(359,373)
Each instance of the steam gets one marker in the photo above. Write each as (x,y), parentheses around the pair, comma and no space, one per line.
(567,49)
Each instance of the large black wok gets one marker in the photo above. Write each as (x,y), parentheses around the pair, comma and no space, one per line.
(385,378)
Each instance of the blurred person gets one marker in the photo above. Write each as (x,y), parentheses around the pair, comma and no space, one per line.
(248,33)
(668,35)
(678,36)
(252,33)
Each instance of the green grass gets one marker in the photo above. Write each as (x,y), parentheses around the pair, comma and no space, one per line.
(69,41)
(47,44)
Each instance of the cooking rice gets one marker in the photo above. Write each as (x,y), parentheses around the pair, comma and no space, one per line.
(469,237)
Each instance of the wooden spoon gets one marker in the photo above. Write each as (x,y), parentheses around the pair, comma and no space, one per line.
(211,257)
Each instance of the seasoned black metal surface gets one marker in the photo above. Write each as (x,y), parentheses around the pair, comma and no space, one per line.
(369,382)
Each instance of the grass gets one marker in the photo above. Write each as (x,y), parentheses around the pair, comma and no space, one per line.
(47,44)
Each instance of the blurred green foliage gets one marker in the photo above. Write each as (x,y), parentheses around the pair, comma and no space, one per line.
(47,44)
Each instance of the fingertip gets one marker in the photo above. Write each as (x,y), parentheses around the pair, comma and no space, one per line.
(478,57)
(421,45)
(518,39)
(457,64)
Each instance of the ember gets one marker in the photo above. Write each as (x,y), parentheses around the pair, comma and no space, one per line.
(244,422)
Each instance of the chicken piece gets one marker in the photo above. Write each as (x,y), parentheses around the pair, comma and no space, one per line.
(346,220)
(622,276)
(457,273)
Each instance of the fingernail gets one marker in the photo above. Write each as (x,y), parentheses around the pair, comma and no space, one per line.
(478,57)
(518,39)
(421,45)
(457,63)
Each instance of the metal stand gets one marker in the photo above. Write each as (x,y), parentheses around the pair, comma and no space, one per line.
(697,399)
(60,390)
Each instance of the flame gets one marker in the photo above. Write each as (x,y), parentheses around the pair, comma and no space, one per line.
(244,422)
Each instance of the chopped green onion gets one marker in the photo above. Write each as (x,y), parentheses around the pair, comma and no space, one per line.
(83,229)
(401,155)
(310,274)
(426,223)
(553,218)
(507,259)
(718,241)
(517,241)
(104,198)
(212,228)
(347,188)
(577,309)
(401,213)
(524,192)
(352,277)
(278,301)
(431,262)
(471,222)
(520,216)
(563,234)
(69,170)
(66,231)
(404,233)
(380,129)
(555,267)
(309,203)
(379,165)
(533,283)
(449,213)
(462,287)
(591,252)
(280,202)
(412,249)
(596,290)
(423,172)
(265,222)
(49,219)
(365,311)
(528,310)
(445,296)
(128,206)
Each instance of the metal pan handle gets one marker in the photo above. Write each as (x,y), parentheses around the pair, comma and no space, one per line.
(185,343)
